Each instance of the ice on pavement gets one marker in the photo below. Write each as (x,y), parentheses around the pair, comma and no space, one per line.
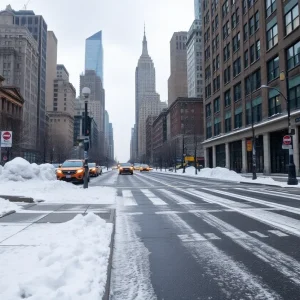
(6,206)
(20,178)
(57,261)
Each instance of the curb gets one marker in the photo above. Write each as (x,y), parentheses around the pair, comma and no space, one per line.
(18,199)
(112,219)
(8,213)
(255,183)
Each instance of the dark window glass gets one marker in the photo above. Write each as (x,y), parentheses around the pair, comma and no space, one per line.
(246,59)
(294,97)
(237,92)
(292,19)
(208,110)
(217,105)
(237,67)
(270,7)
(227,125)
(227,98)
(272,37)
(273,68)
(238,120)
(293,56)
(274,105)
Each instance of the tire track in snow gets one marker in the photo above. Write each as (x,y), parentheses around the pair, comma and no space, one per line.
(233,277)
(131,267)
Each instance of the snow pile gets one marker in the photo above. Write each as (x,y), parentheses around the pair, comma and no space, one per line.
(62,261)
(20,169)
(217,173)
(6,206)
(56,191)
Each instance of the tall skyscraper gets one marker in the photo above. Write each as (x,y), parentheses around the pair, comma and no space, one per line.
(195,60)
(38,28)
(249,45)
(94,54)
(198,9)
(177,83)
(144,81)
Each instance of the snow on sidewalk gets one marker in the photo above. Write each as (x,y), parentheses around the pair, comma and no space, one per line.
(20,178)
(6,206)
(56,261)
(227,175)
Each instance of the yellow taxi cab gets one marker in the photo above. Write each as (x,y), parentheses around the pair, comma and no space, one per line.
(136,166)
(94,169)
(71,171)
(144,168)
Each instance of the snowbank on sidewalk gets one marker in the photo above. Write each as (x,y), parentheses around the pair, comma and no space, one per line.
(56,191)
(20,169)
(61,261)
(6,206)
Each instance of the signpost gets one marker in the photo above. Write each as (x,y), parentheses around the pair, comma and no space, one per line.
(6,139)
(287,142)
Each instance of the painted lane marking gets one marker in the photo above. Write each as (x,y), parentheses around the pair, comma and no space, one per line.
(128,198)
(278,260)
(180,200)
(278,233)
(153,198)
(211,236)
(222,268)
(259,234)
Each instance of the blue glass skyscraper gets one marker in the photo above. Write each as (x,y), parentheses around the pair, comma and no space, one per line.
(94,54)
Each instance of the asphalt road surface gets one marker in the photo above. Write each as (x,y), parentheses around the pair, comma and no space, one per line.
(188,238)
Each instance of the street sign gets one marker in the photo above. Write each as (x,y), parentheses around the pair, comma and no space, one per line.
(285,147)
(4,158)
(6,138)
(287,140)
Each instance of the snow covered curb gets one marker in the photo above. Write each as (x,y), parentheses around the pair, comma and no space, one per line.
(7,208)
(61,261)
(224,174)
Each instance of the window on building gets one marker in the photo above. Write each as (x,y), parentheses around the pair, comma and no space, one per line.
(252,54)
(294,96)
(208,91)
(272,37)
(236,42)
(256,17)
(270,7)
(208,130)
(217,21)
(292,19)
(237,67)
(251,26)
(227,98)
(244,6)
(273,68)
(218,62)
(256,107)
(217,41)
(252,82)
(245,31)
(226,30)
(274,103)
(238,118)
(217,105)
(226,52)
(293,56)
(225,8)
(208,110)
(246,59)
(227,75)
(228,121)
(207,53)
(207,73)
(217,126)
(257,49)
(237,92)
(216,84)
(235,18)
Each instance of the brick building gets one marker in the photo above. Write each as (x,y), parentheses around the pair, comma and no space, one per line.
(246,45)
(149,137)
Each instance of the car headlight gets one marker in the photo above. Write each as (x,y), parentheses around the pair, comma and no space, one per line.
(59,171)
(121,169)
(131,168)
(80,171)
(94,169)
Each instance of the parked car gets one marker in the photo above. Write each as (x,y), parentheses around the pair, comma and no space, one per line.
(144,168)
(72,171)
(126,168)
(94,170)
(136,166)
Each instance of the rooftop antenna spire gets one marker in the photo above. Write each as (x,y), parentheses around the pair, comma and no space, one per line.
(25,5)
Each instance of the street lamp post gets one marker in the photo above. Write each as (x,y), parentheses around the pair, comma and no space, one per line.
(86,93)
(253,136)
(292,178)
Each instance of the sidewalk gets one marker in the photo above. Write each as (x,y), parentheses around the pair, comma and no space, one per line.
(50,250)
(277,177)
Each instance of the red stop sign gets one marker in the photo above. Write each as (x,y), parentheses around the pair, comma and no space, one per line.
(6,135)
(287,140)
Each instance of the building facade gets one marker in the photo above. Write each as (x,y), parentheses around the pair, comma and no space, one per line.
(144,85)
(177,83)
(198,9)
(19,60)
(51,68)
(11,115)
(149,139)
(38,28)
(257,40)
(150,106)
(94,54)
(194,46)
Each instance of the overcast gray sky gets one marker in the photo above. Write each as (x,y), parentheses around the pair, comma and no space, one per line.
(122,23)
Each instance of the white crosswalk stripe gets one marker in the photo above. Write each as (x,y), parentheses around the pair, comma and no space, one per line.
(128,198)
(153,198)
(278,233)
(178,199)
(259,234)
